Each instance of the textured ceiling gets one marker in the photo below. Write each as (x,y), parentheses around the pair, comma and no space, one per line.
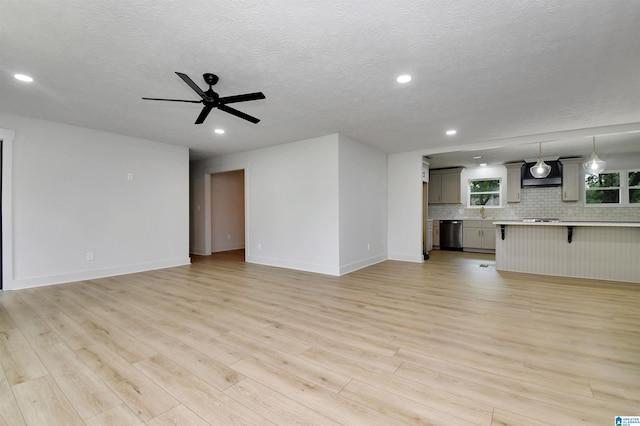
(508,71)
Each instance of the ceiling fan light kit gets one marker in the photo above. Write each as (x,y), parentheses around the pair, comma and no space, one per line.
(594,166)
(540,169)
(212,100)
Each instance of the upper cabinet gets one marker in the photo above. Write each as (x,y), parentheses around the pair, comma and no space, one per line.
(444,186)
(514,171)
(571,178)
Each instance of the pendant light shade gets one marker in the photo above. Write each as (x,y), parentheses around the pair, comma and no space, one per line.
(540,169)
(594,166)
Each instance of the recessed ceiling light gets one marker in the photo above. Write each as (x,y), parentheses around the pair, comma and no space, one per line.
(23,77)
(483,164)
(477,157)
(219,131)
(404,78)
(451,132)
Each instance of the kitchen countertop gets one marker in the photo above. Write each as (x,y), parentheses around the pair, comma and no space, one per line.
(570,223)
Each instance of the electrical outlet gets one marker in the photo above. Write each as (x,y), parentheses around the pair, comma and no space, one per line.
(228,236)
(90,256)
(129,176)
(259,246)
(368,246)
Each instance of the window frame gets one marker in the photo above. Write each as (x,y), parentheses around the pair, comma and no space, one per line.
(498,192)
(629,187)
(623,190)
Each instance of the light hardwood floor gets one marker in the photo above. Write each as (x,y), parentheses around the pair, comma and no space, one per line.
(219,342)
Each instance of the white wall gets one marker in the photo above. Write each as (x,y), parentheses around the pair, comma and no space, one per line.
(71,195)
(227,211)
(363,205)
(405,206)
(291,202)
(198,227)
(7,136)
(311,205)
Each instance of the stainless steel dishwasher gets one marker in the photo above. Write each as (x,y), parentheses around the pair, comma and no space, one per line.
(451,235)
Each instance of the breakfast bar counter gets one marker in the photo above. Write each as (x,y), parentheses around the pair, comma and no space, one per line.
(589,249)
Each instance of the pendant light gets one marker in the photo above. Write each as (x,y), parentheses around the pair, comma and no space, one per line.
(594,166)
(540,169)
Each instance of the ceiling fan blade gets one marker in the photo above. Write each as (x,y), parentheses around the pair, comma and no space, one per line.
(171,100)
(203,114)
(238,113)
(194,86)
(242,98)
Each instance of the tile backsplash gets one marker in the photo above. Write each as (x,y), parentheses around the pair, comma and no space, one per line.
(538,202)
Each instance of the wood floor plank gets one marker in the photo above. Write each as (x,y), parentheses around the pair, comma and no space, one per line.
(310,395)
(506,418)
(36,331)
(179,415)
(222,341)
(276,407)
(71,332)
(6,322)
(293,364)
(210,370)
(10,413)
(547,390)
(529,406)
(145,398)
(118,415)
(502,377)
(18,359)
(85,391)
(407,411)
(203,399)
(200,339)
(43,403)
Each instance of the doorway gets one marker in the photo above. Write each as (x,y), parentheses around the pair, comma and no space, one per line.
(227,211)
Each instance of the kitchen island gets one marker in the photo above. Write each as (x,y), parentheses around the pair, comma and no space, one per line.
(598,250)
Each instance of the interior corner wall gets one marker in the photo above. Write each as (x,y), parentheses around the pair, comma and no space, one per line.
(227,211)
(291,195)
(405,206)
(363,205)
(81,194)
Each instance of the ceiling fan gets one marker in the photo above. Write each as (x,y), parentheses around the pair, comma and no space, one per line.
(211,99)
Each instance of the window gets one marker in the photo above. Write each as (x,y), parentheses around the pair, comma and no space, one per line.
(484,192)
(615,188)
(634,187)
(603,188)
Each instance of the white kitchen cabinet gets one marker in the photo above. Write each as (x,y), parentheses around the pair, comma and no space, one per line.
(478,235)
(514,171)
(571,179)
(435,183)
(444,186)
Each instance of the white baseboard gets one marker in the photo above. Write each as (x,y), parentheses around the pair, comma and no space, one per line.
(299,266)
(406,257)
(352,267)
(40,281)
